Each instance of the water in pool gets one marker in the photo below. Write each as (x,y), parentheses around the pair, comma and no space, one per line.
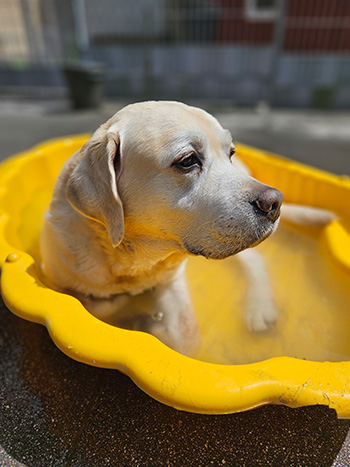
(311,292)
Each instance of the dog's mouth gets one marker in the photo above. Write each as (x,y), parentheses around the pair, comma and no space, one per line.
(221,244)
(271,230)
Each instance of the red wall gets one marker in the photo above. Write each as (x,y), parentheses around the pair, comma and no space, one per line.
(316,25)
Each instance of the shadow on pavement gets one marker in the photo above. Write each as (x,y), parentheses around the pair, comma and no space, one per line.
(58,412)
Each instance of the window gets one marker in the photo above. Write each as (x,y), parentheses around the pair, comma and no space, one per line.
(261,10)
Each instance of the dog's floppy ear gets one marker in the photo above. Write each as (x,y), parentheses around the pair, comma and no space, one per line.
(92,188)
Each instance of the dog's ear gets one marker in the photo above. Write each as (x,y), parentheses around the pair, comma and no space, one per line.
(92,186)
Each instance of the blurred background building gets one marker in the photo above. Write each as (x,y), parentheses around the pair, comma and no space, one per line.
(293,53)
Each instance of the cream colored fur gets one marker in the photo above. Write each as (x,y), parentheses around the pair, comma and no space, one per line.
(125,215)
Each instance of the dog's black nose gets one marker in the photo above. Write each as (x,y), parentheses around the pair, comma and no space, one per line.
(269,203)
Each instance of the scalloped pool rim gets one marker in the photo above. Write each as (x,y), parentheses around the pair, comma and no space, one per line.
(169,377)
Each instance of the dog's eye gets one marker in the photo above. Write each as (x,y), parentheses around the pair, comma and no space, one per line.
(188,162)
(232,151)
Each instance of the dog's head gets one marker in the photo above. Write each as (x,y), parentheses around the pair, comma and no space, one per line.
(167,170)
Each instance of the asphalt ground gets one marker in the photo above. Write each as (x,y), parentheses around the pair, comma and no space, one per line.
(57,412)
(320,139)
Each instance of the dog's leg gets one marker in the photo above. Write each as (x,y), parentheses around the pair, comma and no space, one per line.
(260,312)
(306,215)
(260,308)
(165,312)
(105,309)
(175,323)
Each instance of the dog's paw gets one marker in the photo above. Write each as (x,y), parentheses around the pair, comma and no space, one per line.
(261,317)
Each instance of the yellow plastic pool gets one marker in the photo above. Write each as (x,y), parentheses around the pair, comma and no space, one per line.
(233,370)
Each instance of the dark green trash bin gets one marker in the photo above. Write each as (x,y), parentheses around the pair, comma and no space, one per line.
(85,83)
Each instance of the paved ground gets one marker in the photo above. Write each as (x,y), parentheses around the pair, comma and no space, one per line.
(57,412)
(321,139)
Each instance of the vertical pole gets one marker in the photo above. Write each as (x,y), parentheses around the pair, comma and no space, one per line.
(64,18)
(33,31)
(277,45)
(80,28)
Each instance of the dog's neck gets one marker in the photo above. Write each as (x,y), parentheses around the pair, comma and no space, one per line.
(136,258)
(138,263)
(141,261)
(88,264)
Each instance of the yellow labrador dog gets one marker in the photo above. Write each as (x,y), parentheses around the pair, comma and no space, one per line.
(155,183)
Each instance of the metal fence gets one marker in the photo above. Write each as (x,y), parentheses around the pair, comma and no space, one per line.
(286,52)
